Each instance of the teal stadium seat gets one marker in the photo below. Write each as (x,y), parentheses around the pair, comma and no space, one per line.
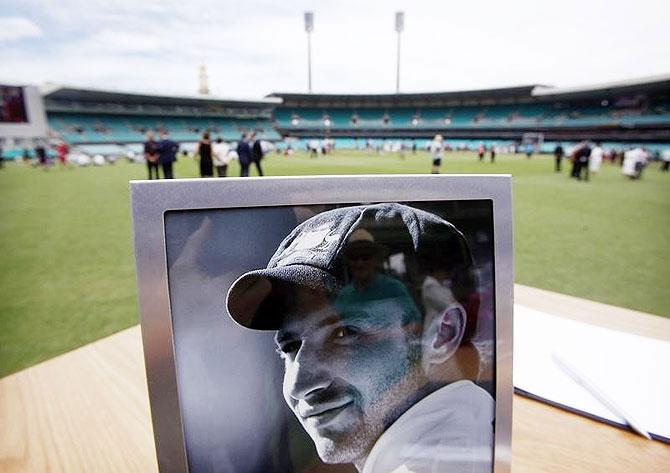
(95,128)
(78,128)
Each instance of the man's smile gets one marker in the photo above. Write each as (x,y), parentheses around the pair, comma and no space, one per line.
(323,411)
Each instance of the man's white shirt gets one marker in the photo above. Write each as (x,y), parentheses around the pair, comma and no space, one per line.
(450,430)
(631,158)
(436,149)
(596,159)
(221,154)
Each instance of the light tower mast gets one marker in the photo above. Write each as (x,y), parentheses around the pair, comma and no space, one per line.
(399,27)
(309,27)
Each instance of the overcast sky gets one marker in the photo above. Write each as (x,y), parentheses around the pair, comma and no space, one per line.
(255,47)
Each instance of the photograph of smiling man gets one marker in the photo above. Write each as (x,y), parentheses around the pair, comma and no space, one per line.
(374,309)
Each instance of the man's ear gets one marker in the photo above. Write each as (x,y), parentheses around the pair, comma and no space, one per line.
(444,335)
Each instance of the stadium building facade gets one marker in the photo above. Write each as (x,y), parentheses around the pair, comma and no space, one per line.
(106,122)
(632,111)
(624,113)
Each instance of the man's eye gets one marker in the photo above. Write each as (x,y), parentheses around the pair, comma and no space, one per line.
(345,332)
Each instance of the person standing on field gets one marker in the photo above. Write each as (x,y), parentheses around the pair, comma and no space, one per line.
(62,149)
(665,157)
(558,156)
(596,159)
(529,150)
(580,161)
(244,155)
(151,155)
(257,153)
(41,153)
(204,151)
(221,157)
(313,146)
(167,152)
(436,151)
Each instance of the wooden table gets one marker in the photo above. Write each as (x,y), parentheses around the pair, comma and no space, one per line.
(88,410)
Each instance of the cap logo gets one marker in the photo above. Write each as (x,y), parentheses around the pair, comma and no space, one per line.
(318,243)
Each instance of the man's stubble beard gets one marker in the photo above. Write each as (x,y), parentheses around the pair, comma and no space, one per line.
(354,447)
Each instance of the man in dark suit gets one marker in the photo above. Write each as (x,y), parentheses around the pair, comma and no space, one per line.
(580,161)
(558,155)
(244,154)
(167,151)
(257,153)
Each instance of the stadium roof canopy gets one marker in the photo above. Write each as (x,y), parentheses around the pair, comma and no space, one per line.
(653,84)
(462,97)
(57,92)
(508,95)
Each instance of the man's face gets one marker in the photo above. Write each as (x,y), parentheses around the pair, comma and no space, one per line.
(347,376)
(362,266)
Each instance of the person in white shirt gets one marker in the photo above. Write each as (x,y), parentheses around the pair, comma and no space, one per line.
(372,379)
(665,157)
(596,159)
(436,150)
(634,161)
(313,146)
(221,157)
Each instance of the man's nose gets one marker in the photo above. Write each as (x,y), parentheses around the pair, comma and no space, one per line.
(307,374)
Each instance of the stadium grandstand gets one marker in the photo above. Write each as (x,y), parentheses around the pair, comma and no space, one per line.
(631,113)
(107,122)
(636,111)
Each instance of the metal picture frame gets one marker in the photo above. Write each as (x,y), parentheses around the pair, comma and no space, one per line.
(151,200)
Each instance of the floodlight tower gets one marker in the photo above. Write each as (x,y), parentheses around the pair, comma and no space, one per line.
(399,27)
(309,27)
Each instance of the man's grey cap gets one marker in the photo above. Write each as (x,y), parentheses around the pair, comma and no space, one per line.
(310,256)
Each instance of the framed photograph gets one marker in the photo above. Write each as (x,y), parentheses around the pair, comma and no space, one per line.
(327,324)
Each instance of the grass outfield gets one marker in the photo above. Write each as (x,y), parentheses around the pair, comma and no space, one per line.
(68,272)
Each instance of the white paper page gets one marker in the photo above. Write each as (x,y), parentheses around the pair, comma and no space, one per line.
(633,371)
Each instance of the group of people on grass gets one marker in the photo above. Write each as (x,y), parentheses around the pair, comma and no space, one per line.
(161,153)
(218,154)
(211,155)
(42,156)
(587,159)
(437,147)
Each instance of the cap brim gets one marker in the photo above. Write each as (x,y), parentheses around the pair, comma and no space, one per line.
(248,293)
